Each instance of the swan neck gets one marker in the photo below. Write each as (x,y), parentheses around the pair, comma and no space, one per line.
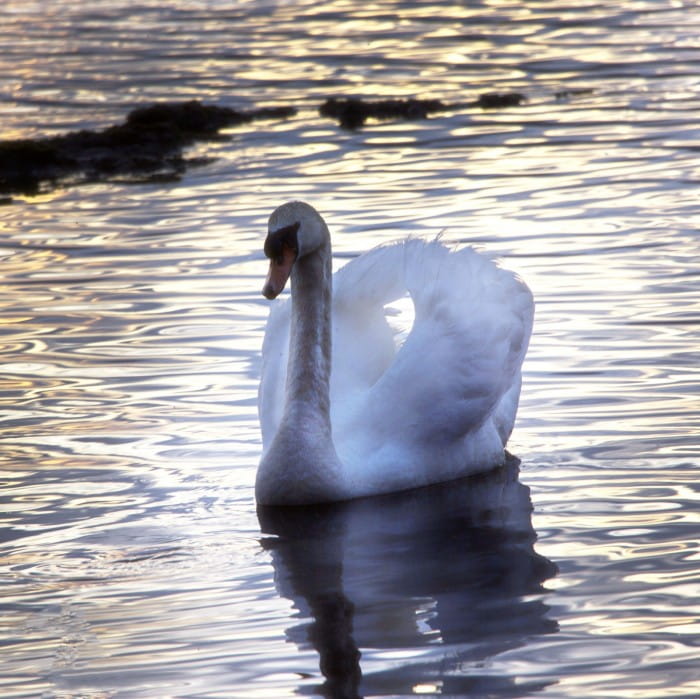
(308,373)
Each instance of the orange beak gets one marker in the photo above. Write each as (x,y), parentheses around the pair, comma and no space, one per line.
(279,273)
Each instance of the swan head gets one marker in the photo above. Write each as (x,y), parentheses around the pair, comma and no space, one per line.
(294,230)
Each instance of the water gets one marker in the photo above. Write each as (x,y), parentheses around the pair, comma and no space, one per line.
(133,562)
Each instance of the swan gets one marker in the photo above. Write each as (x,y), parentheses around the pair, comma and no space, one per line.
(346,410)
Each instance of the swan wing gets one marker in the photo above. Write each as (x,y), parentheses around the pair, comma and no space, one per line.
(450,391)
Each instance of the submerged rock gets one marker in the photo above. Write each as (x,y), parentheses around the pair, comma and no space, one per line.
(353,112)
(149,142)
(149,145)
(500,100)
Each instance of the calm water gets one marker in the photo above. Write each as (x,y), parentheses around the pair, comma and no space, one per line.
(133,562)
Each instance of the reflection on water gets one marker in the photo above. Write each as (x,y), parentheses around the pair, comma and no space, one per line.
(131,322)
(451,567)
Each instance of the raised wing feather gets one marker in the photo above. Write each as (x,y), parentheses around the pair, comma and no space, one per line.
(462,357)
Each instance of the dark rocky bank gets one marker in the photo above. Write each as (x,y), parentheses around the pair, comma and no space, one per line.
(148,144)
(353,112)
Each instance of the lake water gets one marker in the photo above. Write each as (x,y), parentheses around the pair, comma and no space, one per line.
(133,562)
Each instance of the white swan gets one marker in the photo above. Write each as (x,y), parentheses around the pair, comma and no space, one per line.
(383,419)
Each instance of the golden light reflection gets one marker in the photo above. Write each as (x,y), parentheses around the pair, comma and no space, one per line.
(425,688)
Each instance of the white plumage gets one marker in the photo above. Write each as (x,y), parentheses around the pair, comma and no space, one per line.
(439,405)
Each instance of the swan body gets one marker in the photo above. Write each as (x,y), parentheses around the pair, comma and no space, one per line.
(346,410)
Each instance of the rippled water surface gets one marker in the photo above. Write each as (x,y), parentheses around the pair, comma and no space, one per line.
(133,561)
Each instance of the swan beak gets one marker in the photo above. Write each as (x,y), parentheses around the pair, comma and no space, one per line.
(279,272)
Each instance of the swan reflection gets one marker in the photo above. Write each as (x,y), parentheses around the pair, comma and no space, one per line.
(447,574)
